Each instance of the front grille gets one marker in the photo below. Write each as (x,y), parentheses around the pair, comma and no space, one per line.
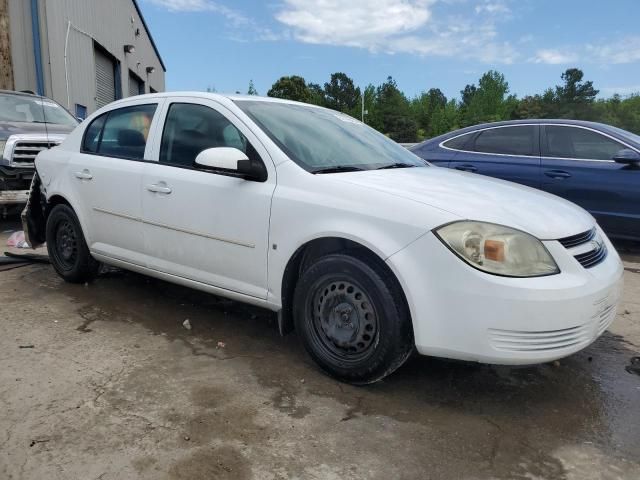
(24,152)
(579,239)
(593,257)
(540,341)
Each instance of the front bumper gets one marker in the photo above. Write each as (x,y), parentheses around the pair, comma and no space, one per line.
(460,312)
(13,197)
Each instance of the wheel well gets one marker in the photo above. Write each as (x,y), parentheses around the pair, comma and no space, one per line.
(52,202)
(306,255)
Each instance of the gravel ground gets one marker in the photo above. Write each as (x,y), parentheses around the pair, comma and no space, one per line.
(102,381)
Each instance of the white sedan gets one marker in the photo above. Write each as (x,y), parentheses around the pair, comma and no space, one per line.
(362,247)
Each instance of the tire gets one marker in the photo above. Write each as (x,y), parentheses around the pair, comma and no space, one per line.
(352,318)
(67,247)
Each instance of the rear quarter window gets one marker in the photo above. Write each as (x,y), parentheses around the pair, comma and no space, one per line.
(459,143)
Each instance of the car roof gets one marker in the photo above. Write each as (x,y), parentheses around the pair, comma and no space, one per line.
(212,96)
(533,121)
(20,94)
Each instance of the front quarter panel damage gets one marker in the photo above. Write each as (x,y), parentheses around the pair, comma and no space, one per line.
(33,215)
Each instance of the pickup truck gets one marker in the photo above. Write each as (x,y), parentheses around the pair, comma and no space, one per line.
(28,124)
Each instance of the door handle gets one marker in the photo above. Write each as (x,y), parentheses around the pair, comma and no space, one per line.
(84,175)
(466,168)
(159,188)
(557,174)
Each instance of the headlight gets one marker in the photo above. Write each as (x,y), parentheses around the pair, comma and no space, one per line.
(497,249)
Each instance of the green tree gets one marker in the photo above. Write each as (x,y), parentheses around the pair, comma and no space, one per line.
(424,106)
(489,102)
(316,94)
(394,113)
(340,93)
(252,89)
(291,88)
(574,89)
(444,119)
(574,99)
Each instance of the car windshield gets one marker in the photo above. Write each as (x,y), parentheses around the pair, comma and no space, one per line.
(322,140)
(21,108)
(625,134)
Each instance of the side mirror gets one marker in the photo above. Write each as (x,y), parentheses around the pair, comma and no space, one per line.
(627,157)
(233,162)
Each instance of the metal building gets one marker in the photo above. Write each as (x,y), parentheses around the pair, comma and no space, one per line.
(82,53)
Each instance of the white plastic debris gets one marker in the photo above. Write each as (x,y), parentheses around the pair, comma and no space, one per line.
(187,324)
(17,240)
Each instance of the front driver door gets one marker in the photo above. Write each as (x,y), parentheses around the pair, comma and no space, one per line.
(577,165)
(202,225)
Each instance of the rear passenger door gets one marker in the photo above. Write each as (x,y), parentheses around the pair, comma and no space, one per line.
(577,165)
(508,152)
(106,178)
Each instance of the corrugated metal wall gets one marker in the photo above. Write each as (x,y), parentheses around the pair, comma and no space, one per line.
(112,24)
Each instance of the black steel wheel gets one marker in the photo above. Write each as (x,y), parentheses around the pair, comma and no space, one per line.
(67,248)
(344,319)
(351,315)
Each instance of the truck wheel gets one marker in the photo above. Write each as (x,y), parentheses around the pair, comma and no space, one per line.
(352,318)
(67,248)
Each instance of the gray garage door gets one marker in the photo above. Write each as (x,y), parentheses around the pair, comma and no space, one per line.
(136,87)
(105,79)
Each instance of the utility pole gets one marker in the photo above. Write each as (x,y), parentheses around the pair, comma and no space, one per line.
(364,112)
(6,65)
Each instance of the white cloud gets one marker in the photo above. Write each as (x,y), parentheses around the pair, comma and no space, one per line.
(356,23)
(624,50)
(235,18)
(397,26)
(554,57)
(493,7)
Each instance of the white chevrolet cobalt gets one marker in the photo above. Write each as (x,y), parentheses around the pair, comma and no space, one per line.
(362,247)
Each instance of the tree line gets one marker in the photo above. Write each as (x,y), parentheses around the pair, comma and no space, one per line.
(431,113)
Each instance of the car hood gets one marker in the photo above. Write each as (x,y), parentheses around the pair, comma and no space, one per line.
(13,128)
(477,197)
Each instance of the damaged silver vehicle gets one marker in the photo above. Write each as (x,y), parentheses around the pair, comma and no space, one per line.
(28,124)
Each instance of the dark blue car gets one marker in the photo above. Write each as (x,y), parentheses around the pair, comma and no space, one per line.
(594,165)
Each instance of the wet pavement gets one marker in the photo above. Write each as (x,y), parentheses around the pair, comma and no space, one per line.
(102,381)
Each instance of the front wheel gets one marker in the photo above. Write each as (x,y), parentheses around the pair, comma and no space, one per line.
(352,318)
(67,248)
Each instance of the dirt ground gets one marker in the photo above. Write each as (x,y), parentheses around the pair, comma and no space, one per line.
(102,381)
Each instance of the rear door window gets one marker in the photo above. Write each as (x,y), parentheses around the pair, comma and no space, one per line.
(515,140)
(573,142)
(120,133)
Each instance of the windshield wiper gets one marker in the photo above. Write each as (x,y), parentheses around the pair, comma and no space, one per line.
(337,169)
(396,165)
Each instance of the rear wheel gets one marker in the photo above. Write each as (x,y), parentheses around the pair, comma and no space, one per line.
(352,318)
(67,248)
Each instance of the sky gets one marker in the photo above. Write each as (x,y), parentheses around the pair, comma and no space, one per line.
(223,44)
